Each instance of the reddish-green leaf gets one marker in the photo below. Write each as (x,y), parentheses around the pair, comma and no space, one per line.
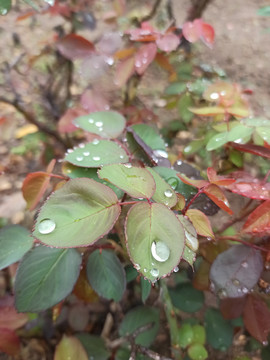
(232,308)
(124,71)
(144,57)
(9,342)
(73,46)
(70,348)
(253,189)
(65,124)
(258,221)
(197,183)
(201,222)
(168,42)
(252,149)
(208,111)
(257,318)
(218,197)
(34,187)
(207,34)
(11,319)
(190,31)
(218,180)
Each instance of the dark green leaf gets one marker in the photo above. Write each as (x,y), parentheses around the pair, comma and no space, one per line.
(77,214)
(146,289)
(138,317)
(94,346)
(175,88)
(184,103)
(186,298)
(106,274)
(131,273)
(15,241)
(45,277)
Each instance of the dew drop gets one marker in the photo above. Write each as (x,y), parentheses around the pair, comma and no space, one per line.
(121,156)
(161,153)
(192,241)
(244,264)
(214,96)
(244,290)
(86,153)
(138,64)
(160,251)
(70,151)
(46,226)
(265,343)
(3,11)
(168,193)
(173,182)
(79,158)
(222,293)
(137,266)
(179,162)
(99,124)
(96,158)
(91,121)
(236,282)
(212,286)
(144,61)
(145,270)
(128,165)
(81,146)
(95,142)
(154,272)
(176,269)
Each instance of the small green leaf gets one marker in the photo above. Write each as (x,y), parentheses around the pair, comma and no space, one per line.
(138,317)
(264,133)
(15,241)
(146,289)
(155,239)
(150,136)
(175,88)
(94,346)
(131,273)
(184,103)
(106,274)
(217,141)
(135,181)
(77,214)
(194,146)
(185,335)
(164,193)
(5,6)
(186,298)
(45,277)
(197,352)
(219,331)
(199,334)
(264,11)
(107,124)
(97,153)
(189,256)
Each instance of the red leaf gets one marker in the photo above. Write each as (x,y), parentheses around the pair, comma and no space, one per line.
(207,34)
(168,42)
(9,342)
(253,189)
(201,223)
(144,33)
(144,57)
(124,70)
(74,46)
(163,62)
(34,186)
(232,308)
(94,101)
(218,197)
(65,124)
(257,318)
(60,9)
(197,183)
(190,31)
(252,149)
(258,221)
(10,319)
(218,180)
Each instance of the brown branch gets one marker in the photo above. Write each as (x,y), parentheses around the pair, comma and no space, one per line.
(152,13)
(197,9)
(29,116)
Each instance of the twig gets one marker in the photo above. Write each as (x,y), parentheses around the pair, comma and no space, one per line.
(197,9)
(152,12)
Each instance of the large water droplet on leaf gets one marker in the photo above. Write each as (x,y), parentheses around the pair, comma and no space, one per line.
(168,193)
(154,272)
(192,241)
(160,251)
(161,153)
(222,293)
(46,226)
(173,182)
(99,124)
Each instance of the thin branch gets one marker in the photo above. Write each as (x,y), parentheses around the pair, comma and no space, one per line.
(153,12)
(197,9)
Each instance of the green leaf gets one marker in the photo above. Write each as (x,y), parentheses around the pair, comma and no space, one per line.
(70,348)
(194,146)
(94,346)
(186,298)
(164,193)
(217,141)
(97,153)
(189,256)
(197,352)
(106,274)
(138,317)
(146,289)
(219,331)
(74,172)
(184,103)
(190,233)
(185,335)
(199,334)
(107,124)
(131,273)
(264,11)
(170,176)
(264,133)
(5,6)
(45,277)
(175,88)
(150,136)
(155,239)
(15,241)
(135,181)
(77,214)
(256,122)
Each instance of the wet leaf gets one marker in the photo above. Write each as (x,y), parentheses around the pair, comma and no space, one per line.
(208,111)
(107,124)
(124,70)
(200,222)
(252,149)
(70,348)
(150,136)
(106,274)
(155,239)
(236,271)
(5,6)
(73,46)
(217,196)
(144,57)
(257,318)
(189,256)
(190,31)
(251,188)
(258,222)
(197,352)
(138,317)
(65,124)
(145,288)
(15,241)
(135,181)
(97,153)
(77,214)
(190,233)
(185,335)
(168,42)
(45,271)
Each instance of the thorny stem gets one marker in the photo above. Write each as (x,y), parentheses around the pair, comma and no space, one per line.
(170,314)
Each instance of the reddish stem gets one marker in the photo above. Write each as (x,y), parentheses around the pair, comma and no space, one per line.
(233,238)
(128,203)
(193,199)
(58,177)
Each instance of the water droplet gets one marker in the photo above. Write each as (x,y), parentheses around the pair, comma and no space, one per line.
(70,151)
(192,241)
(168,193)
(95,142)
(100,129)
(244,290)
(128,165)
(161,153)
(209,238)
(91,121)
(138,64)
(265,343)
(50,2)
(46,226)
(96,158)
(79,158)
(214,96)
(99,124)
(137,266)
(236,282)
(160,251)
(179,162)
(244,264)
(4,11)
(110,61)
(173,182)
(154,272)
(145,270)
(121,156)
(81,146)
(86,153)
(212,286)
(176,269)
(222,293)
(144,61)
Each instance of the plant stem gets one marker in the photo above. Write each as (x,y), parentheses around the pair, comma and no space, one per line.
(170,314)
